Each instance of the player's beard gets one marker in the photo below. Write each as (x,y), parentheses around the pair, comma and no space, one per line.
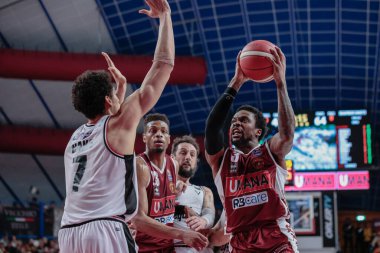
(186,173)
(241,142)
(158,150)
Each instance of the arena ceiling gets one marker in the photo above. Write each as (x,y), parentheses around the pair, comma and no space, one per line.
(332,49)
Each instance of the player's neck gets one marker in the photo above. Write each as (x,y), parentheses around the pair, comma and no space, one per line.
(94,120)
(248,146)
(185,180)
(156,158)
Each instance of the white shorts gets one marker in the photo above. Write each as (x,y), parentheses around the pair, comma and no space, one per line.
(101,235)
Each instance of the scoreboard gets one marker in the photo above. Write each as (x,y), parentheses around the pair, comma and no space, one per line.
(328,140)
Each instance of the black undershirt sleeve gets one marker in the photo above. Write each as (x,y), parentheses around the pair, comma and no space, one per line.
(215,122)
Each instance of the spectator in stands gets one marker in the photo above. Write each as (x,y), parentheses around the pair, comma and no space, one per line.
(375,244)
(2,221)
(2,246)
(367,236)
(49,218)
(34,203)
(348,230)
(359,238)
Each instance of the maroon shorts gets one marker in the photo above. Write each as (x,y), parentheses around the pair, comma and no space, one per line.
(166,250)
(261,238)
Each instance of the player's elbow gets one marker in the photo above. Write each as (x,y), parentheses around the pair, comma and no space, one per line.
(287,133)
(138,219)
(164,66)
(287,137)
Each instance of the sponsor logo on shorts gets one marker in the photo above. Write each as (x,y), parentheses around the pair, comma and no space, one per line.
(251,182)
(165,219)
(250,200)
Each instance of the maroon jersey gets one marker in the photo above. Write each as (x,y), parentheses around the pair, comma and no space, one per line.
(161,204)
(252,189)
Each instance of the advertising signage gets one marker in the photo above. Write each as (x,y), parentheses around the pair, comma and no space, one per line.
(329,181)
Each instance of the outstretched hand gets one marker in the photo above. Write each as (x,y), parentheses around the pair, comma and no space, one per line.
(279,65)
(116,74)
(157,8)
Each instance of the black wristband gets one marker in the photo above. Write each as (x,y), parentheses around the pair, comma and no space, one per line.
(230,91)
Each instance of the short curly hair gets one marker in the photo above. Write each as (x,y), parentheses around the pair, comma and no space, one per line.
(89,90)
(155,117)
(184,139)
(260,120)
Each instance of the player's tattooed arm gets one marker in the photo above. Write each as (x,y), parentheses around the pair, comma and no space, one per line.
(281,143)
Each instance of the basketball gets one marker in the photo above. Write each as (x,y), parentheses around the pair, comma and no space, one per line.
(253,62)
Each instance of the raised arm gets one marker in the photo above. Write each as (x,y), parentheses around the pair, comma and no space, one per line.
(163,61)
(120,80)
(281,143)
(214,125)
(147,225)
(121,130)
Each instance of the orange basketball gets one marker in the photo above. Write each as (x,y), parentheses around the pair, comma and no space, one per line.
(254,63)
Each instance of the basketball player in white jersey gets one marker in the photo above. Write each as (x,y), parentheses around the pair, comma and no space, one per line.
(101,182)
(195,206)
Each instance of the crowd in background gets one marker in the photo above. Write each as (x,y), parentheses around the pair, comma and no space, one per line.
(14,245)
(28,241)
(360,237)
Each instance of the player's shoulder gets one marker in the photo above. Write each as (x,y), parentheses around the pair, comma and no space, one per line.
(206,190)
(141,163)
(171,158)
(173,162)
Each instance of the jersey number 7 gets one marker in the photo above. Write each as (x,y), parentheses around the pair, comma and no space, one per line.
(82,161)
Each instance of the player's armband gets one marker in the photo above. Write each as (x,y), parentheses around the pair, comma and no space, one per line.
(209,215)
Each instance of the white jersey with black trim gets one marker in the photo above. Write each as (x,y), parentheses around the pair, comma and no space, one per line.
(193,198)
(99,182)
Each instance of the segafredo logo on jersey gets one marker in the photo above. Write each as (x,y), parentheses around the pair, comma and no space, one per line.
(165,219)
(248,183)
(162,206)
(250,200)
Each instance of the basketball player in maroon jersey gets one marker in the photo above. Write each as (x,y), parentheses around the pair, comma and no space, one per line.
(250,177)
(156,173)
